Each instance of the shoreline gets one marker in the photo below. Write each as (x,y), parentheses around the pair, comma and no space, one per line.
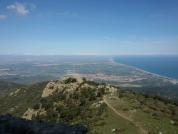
(172,80)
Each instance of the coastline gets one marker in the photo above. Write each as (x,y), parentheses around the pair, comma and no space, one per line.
(172,80)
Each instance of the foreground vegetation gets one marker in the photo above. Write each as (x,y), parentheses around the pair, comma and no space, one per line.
(102,108)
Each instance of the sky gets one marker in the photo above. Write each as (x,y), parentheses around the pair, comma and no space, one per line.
(89,27)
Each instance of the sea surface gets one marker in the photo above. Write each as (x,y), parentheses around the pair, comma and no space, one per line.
(162,65)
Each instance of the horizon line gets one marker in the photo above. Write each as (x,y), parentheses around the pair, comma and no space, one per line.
(88,54)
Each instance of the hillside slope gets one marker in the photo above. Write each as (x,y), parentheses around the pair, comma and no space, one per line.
(102,108)
(6,87)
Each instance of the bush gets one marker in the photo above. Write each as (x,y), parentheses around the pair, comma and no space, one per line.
(36,106)
(70,80)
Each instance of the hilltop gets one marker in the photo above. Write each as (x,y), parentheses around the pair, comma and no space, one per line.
(101,107)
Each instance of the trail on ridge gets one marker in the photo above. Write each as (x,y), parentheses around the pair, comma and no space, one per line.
(143,131)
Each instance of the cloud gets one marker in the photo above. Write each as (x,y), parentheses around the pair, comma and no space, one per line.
(3,17)
(19,8)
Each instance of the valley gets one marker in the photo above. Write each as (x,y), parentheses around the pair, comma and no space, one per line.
(30,69)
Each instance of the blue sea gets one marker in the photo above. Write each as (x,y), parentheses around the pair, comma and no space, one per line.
(162,65)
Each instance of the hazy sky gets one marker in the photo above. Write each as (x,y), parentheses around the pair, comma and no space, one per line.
(107,27)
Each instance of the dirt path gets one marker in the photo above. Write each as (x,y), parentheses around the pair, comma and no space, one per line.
(143,131)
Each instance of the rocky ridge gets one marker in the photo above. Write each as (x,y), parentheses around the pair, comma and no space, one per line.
(69,86)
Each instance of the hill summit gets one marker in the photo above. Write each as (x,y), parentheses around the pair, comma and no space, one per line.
(66,93)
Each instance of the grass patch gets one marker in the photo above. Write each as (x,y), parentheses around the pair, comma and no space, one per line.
(113,121)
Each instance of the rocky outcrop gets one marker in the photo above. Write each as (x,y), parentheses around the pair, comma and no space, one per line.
(32,112)
(49,89)
(13,125)
(15,92)
(67,84)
